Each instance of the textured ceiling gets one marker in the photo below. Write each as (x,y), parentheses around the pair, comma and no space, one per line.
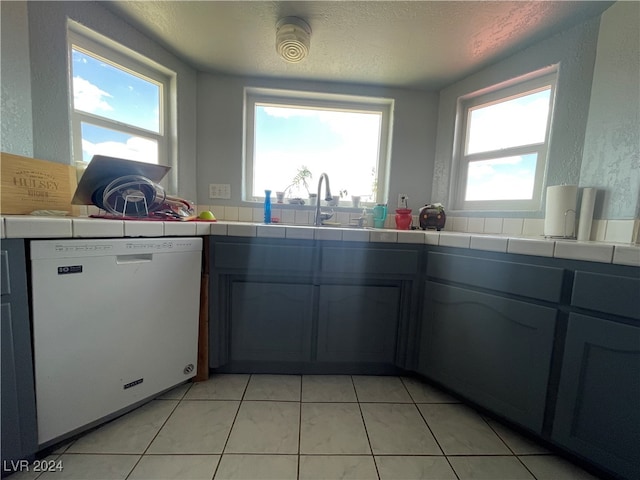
(414,44)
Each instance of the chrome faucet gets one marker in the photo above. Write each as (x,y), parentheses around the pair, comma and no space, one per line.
(318,218)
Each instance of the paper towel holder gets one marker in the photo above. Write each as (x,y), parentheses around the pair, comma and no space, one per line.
(566,236)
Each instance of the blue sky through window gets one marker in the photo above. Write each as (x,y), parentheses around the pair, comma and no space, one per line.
(343,144)
(114,94)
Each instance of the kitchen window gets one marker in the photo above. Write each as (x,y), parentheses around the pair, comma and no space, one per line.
(504,139)
(291,138)
(120,103)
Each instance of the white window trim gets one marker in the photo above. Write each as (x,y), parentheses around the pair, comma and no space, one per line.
(83,39)
(350,103)
(495,94)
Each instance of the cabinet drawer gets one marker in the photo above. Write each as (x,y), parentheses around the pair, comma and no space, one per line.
(534,281)
(607,293)
(262,257)
(369,261)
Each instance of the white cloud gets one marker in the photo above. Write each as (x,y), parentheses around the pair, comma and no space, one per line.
(135,148)
(88,97)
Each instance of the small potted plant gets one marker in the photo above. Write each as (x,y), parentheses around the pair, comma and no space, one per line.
(301,179)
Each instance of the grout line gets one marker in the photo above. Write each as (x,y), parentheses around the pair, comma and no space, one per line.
(155,436)
(437,442)
(364,424)
(235,417)
(299,429)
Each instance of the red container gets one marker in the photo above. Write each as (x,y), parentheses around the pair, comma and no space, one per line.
(403,218)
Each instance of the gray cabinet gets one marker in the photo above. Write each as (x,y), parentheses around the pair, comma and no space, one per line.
(271,322)
(598,406)
(19,434)
(357,323)
(493,350)
(296,306)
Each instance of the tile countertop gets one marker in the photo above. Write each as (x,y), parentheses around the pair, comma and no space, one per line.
(25,226)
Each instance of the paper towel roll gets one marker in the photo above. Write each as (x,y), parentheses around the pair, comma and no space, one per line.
(560,212)
(586,213)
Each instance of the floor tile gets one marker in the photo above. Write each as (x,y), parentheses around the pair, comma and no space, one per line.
(550,467)
(257,467)
(414,468)
(519,444)
(265,427)
(175,467)
(219,387)
(397,429)
(274,387)
(93,467)
(131,433)
(422,392)
(461,431)
(489,468)
(328,388)
(332,428)
(381,389)
(196,427)
(175,393)
(347,467)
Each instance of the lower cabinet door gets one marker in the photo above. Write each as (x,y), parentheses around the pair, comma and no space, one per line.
(493,350)
(598,408)
(270,322)
(358,323)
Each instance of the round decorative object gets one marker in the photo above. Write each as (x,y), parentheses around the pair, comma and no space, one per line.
(293,37)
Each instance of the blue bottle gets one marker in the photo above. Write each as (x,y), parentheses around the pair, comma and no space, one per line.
(267,206)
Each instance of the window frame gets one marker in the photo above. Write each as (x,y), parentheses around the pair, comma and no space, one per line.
(257,96)
(110,52)
(505,91)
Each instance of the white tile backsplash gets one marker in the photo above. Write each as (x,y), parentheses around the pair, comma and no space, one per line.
(475,225)
(619,231)
(512,226)
(288,217)
(459,224)
(218,211)
(598,230)
(303,217)
(245,214)
(493,225)
(231,213)
(533,227)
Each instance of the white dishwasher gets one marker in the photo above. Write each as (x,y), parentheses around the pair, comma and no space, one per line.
(115,322)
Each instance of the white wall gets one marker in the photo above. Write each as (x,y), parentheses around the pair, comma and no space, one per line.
(611,159)
(575,50)
(49,77)
(220,134)
(17,126)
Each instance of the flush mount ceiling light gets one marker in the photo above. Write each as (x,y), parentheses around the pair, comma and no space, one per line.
(293,36)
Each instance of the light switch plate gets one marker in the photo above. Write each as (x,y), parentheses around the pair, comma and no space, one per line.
(220,190)
(403,198)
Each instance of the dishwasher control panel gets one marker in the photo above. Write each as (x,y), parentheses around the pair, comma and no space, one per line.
(118,246)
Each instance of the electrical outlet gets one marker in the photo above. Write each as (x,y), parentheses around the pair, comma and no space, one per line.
(403,198)
(220,190)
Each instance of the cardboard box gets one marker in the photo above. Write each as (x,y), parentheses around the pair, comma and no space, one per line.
(29,184)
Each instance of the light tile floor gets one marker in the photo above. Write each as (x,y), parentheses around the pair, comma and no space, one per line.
(305,427)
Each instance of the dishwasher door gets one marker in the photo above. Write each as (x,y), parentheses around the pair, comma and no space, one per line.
(114,322)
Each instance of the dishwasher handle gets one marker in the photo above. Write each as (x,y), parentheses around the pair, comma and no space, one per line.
(134,258)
